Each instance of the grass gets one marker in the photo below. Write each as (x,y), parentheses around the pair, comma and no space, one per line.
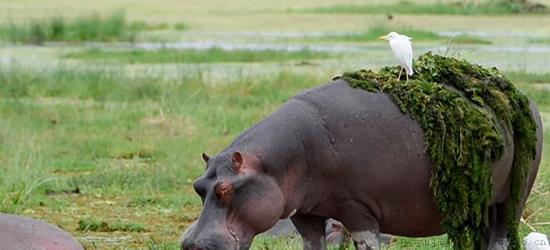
(243,15)
(94,27)
(467,39)
(98,85)
(87,28)
(143,26)
(131,147)
(88,148)
(181,26)
(491,7)
(17,196)
(372,34)
(544,40)
(524,77)
(197,56)
(97,225)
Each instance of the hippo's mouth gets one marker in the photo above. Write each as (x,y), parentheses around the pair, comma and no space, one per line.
(234,235)
(239,244)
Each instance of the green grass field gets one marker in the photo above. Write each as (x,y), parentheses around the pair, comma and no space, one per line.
(98,144)
(491,7)
(198,56)
(419,36)
(104,139)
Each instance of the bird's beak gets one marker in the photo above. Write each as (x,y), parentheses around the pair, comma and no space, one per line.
(383,38)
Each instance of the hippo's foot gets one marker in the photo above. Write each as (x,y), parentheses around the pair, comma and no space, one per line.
(312,230)
(366,240)
(498,243)
(386,239)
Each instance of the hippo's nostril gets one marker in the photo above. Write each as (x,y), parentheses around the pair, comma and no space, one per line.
(199,245)
(211,241)
(187,245)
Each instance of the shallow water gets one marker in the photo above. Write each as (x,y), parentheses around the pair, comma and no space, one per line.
(6,61)
(245,46)
(342,47)
(267,34)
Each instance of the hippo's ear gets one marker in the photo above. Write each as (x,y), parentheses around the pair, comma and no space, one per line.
(205,157)
(244,162)
(237,161)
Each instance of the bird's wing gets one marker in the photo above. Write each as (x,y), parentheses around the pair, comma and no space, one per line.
(402,51)
(396,49)
(408,57)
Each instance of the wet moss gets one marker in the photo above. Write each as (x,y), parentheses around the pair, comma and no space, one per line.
(466,112)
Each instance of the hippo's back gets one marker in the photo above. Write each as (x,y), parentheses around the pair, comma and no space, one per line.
(24,233)
(367,130)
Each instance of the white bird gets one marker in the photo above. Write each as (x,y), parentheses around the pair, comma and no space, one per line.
(536,241)
(402,51)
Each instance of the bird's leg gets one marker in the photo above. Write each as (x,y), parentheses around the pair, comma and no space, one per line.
(407,75)
(399,77)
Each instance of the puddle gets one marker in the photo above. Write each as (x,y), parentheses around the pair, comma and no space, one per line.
(527,58)
(203,45)
(270,34)
(225,45)
(6,60)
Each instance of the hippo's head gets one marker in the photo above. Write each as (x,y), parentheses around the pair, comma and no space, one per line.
(239,202)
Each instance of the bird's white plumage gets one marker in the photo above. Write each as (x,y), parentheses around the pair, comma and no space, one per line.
(401,48)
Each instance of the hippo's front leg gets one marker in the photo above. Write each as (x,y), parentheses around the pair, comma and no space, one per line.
(312,230)
(362,225)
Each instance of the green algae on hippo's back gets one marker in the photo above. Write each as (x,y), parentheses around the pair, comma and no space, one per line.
(464,110)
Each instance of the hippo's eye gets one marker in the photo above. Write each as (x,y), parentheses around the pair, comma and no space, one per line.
(224,192)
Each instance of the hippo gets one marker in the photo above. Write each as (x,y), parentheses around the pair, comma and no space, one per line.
(338,152)
(18,232)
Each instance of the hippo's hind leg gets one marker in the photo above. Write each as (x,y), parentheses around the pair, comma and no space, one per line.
(312,230)
(496,235)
